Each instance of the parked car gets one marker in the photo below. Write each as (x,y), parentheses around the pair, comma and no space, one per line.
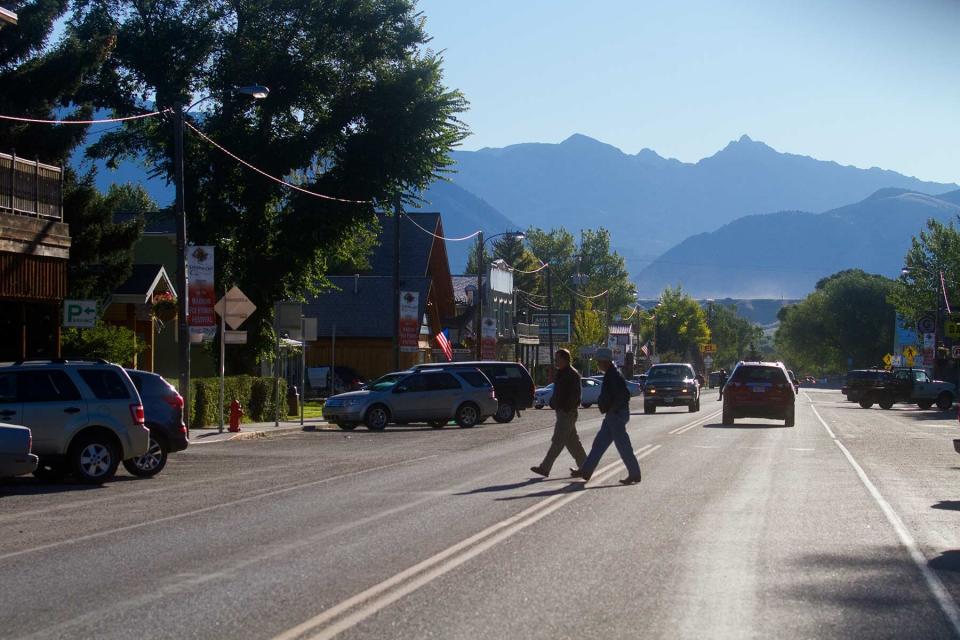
(15,456)
(431,396)
(85,416)
(671,385)
(589,394)
(793,380)
(511,380)
(759,390)
(163,416)
(911,386)
(640,379)
(858,380)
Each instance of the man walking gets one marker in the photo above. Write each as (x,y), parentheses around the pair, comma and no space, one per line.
(565,401)
(614,403)
(723,382)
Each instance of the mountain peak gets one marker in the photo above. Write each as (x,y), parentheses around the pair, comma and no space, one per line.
(745,138)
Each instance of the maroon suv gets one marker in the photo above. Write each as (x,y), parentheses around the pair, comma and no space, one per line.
(759,390)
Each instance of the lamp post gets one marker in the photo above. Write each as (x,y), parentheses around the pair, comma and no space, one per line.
(257,92)
(481,243)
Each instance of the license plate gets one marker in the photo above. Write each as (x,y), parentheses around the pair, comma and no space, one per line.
(668,400)
(759,389)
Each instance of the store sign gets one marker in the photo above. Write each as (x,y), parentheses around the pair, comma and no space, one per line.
(561,327)
(409,321)
(200,276)
(488,339)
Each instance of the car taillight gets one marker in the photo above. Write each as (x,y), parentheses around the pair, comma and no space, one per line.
(493,393)
(136,412)
(175,401)
(30,441)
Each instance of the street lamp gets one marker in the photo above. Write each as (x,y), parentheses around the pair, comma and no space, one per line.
(183,326)
(516,235)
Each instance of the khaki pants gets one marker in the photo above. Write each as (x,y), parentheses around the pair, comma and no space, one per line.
(564,436)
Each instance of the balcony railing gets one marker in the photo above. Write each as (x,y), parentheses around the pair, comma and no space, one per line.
(30,188)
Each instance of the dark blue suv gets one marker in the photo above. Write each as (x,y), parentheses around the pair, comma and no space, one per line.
(163,416)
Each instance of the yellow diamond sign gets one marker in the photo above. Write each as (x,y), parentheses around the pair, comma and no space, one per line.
(910,353)
(888,360)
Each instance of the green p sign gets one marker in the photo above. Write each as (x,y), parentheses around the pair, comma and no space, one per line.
(79,313)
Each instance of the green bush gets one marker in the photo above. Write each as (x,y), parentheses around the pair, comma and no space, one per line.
(255,395)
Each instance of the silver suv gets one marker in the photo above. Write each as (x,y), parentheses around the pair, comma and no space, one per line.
(86,416)
(431,396)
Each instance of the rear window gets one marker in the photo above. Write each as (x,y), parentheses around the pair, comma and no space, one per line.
(746,375)
(106,384)
(677,371)
(474,378)
(150,385)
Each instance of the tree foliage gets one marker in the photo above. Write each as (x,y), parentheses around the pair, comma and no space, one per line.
(736,337)
(847,320)
(106,341)
(357,110)
(589,329)
(936,250)
(679,325)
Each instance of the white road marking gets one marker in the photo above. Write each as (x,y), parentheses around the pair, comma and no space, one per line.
(940,593)
(799,449)
(423,573)
(697,423)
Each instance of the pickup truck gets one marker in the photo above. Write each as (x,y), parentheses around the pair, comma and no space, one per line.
(909,386)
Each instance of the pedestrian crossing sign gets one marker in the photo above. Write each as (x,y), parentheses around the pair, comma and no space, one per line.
(888,360)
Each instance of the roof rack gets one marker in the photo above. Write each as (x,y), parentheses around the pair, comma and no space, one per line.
(62,361)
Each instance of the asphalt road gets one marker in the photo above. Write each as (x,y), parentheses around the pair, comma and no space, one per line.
(843,526)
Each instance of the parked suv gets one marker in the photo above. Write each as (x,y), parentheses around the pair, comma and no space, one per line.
(85,416)
(759,390)
(512,382)
(163,414)
(671,385)
(431,396)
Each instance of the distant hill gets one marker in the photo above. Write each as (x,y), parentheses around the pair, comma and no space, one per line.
(784,254)
(649,202)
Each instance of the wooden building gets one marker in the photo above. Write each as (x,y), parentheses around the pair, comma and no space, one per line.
(131,306)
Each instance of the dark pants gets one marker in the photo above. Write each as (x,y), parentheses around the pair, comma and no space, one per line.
(564,436)
(613,430)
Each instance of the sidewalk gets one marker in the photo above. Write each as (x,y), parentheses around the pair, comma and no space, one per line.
(252,430)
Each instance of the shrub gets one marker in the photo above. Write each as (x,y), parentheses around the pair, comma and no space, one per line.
(255,394)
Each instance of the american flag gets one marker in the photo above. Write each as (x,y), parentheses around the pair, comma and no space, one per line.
(445,345)
(644,350)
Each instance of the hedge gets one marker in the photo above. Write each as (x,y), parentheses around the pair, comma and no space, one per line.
(255,394)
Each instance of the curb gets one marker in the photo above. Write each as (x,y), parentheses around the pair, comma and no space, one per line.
(263,433)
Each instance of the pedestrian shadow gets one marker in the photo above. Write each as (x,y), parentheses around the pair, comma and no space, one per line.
(501,487)
(572,487)
(746,425)
(947,505)
(946,561)
(34,487)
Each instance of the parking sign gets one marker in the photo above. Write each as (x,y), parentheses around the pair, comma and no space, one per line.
(80,313)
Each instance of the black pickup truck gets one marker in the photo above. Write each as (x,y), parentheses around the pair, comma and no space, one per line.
(907,386)
(858,380)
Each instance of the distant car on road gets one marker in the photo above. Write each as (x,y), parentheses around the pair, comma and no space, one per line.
(15,456)
(759,390)
(589,394)
(512,382)
(163,416)
(431,396)
(671,385)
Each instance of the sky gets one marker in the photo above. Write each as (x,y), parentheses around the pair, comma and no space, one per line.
(861,82)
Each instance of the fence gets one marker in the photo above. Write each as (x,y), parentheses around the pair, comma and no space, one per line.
(30,188)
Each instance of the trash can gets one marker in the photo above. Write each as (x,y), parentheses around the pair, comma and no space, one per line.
(293,401)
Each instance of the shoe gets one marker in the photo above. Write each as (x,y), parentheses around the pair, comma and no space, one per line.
(578,473)
(630,480)
(540,471)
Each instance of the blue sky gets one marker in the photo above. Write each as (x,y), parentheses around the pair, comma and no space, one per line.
(867,83)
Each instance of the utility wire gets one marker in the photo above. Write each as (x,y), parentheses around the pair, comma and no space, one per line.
(428,232)
(101,121)
(267,175)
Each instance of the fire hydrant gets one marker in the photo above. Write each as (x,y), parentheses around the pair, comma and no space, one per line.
(236,412)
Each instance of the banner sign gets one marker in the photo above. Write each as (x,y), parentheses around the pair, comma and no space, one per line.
(200,276)
(561,327)
(488,339)
(409,321)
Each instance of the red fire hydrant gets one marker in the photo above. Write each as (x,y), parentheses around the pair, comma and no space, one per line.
(236,412)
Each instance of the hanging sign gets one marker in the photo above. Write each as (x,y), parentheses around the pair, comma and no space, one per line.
(200,274)
(409,321)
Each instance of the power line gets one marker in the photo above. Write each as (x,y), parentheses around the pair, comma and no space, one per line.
(428,232)
(100,121)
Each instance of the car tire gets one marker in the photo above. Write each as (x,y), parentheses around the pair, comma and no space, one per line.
(587,405)
(944,401)
(865,404)
(151,463)
(347,426)
(925,404)
(50,471)
(468,415)
(649,408)
(505,412)
(93,458)
(727,418)
(886,404)
(376,418)
(790,419)
(438,424)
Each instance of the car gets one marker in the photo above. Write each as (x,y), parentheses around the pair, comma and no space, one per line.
(85,416)
(639,379)
(511,381)
(434,396)
(670,385)
(15,456)
(911,386)
(347,379)
(589,394)
(759,390)
(163,416)
(858,380)
(793,380)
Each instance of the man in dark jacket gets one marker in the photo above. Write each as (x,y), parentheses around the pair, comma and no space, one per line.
(614,403)
(565,401)
(723,381)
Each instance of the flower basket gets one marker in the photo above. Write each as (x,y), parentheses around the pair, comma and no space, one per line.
(164,307)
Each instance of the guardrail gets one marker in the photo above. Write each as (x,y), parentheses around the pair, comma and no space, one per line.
(30,188)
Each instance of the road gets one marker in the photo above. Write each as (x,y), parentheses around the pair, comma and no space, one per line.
(843,526)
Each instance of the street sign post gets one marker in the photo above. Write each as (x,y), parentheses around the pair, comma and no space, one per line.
(80,313)
(888,360)
(708,348)
(233,308)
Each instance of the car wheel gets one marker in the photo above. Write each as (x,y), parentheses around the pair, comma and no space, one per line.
(866,404)
(925,404)
(93,459)
(538,406)
(438,424)
(50,471)
(377,418)
(347,426)
(505,412)
(468,415)
(586,405)
(649,408)
(944,401)
(149,464)
(727,418)
(790,419)
(886,404)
